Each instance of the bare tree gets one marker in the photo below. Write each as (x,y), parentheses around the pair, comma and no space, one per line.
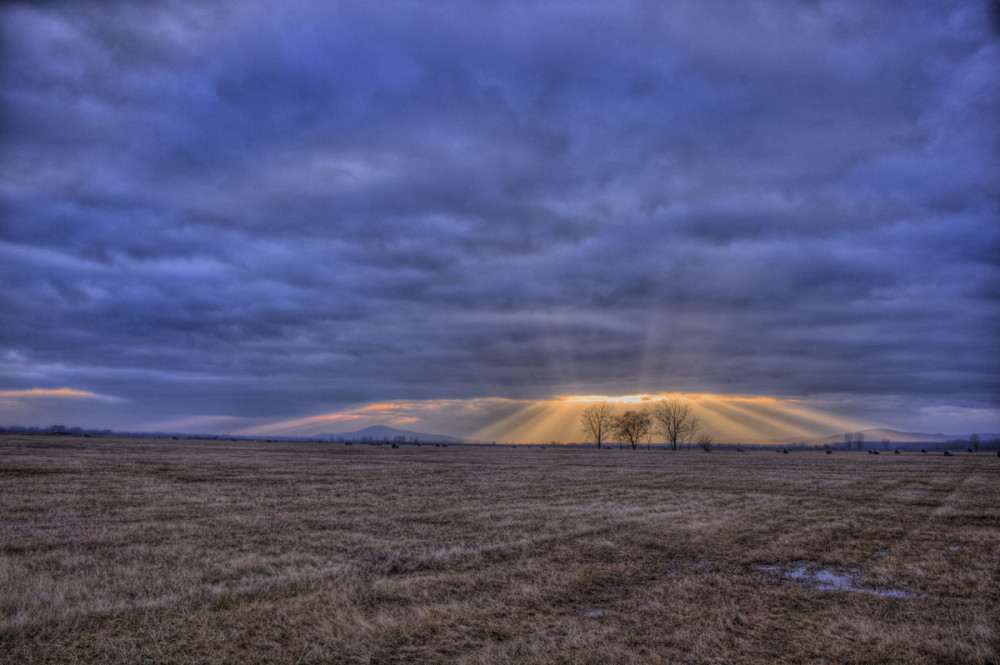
(675,421)
(632,426)
(974,440)
(848,439)
(598,421)
(705,441)
(885,444)
(692,429)
(859,439)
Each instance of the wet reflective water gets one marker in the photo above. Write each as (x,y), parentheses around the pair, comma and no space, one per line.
(826,579)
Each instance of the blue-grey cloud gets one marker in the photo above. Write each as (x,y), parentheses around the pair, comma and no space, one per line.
(235,209)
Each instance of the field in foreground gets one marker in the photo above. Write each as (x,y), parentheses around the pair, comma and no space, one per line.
(161,551)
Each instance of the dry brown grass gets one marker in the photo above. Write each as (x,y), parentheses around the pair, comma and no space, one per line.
(127,551)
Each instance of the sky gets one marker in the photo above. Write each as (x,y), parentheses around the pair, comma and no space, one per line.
(467,218)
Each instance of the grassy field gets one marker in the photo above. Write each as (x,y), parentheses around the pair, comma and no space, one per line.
(161,551)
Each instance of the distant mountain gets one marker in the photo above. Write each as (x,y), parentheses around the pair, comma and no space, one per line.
(876,436)
(385,433)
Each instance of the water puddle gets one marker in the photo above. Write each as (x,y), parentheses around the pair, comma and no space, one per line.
(591,612)
(889,593)
(825,579)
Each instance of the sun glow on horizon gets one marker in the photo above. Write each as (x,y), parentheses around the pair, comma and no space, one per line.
(312,425)
(72,393)
(727,418)
(647,398)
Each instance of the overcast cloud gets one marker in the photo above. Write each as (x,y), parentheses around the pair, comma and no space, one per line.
(243,212)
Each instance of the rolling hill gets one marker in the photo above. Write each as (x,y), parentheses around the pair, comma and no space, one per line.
(385,433)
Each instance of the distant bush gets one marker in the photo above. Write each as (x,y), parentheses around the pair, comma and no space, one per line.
(705,442)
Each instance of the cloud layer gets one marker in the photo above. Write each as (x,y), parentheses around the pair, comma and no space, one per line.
(253,212)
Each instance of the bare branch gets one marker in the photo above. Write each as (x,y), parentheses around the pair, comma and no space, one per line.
(675,421)
(632,426)
(598,421)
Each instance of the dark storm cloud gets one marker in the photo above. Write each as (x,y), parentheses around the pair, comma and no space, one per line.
(250,210)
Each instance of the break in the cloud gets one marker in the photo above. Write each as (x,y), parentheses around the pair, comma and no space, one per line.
(41,392)
(234,214)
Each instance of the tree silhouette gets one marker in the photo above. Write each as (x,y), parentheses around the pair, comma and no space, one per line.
(632,426)
(675,421)
(598,421)
(705,441)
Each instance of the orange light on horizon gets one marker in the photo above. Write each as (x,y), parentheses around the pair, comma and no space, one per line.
(296,426)
(644,398)
(728,418)
(49,392)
